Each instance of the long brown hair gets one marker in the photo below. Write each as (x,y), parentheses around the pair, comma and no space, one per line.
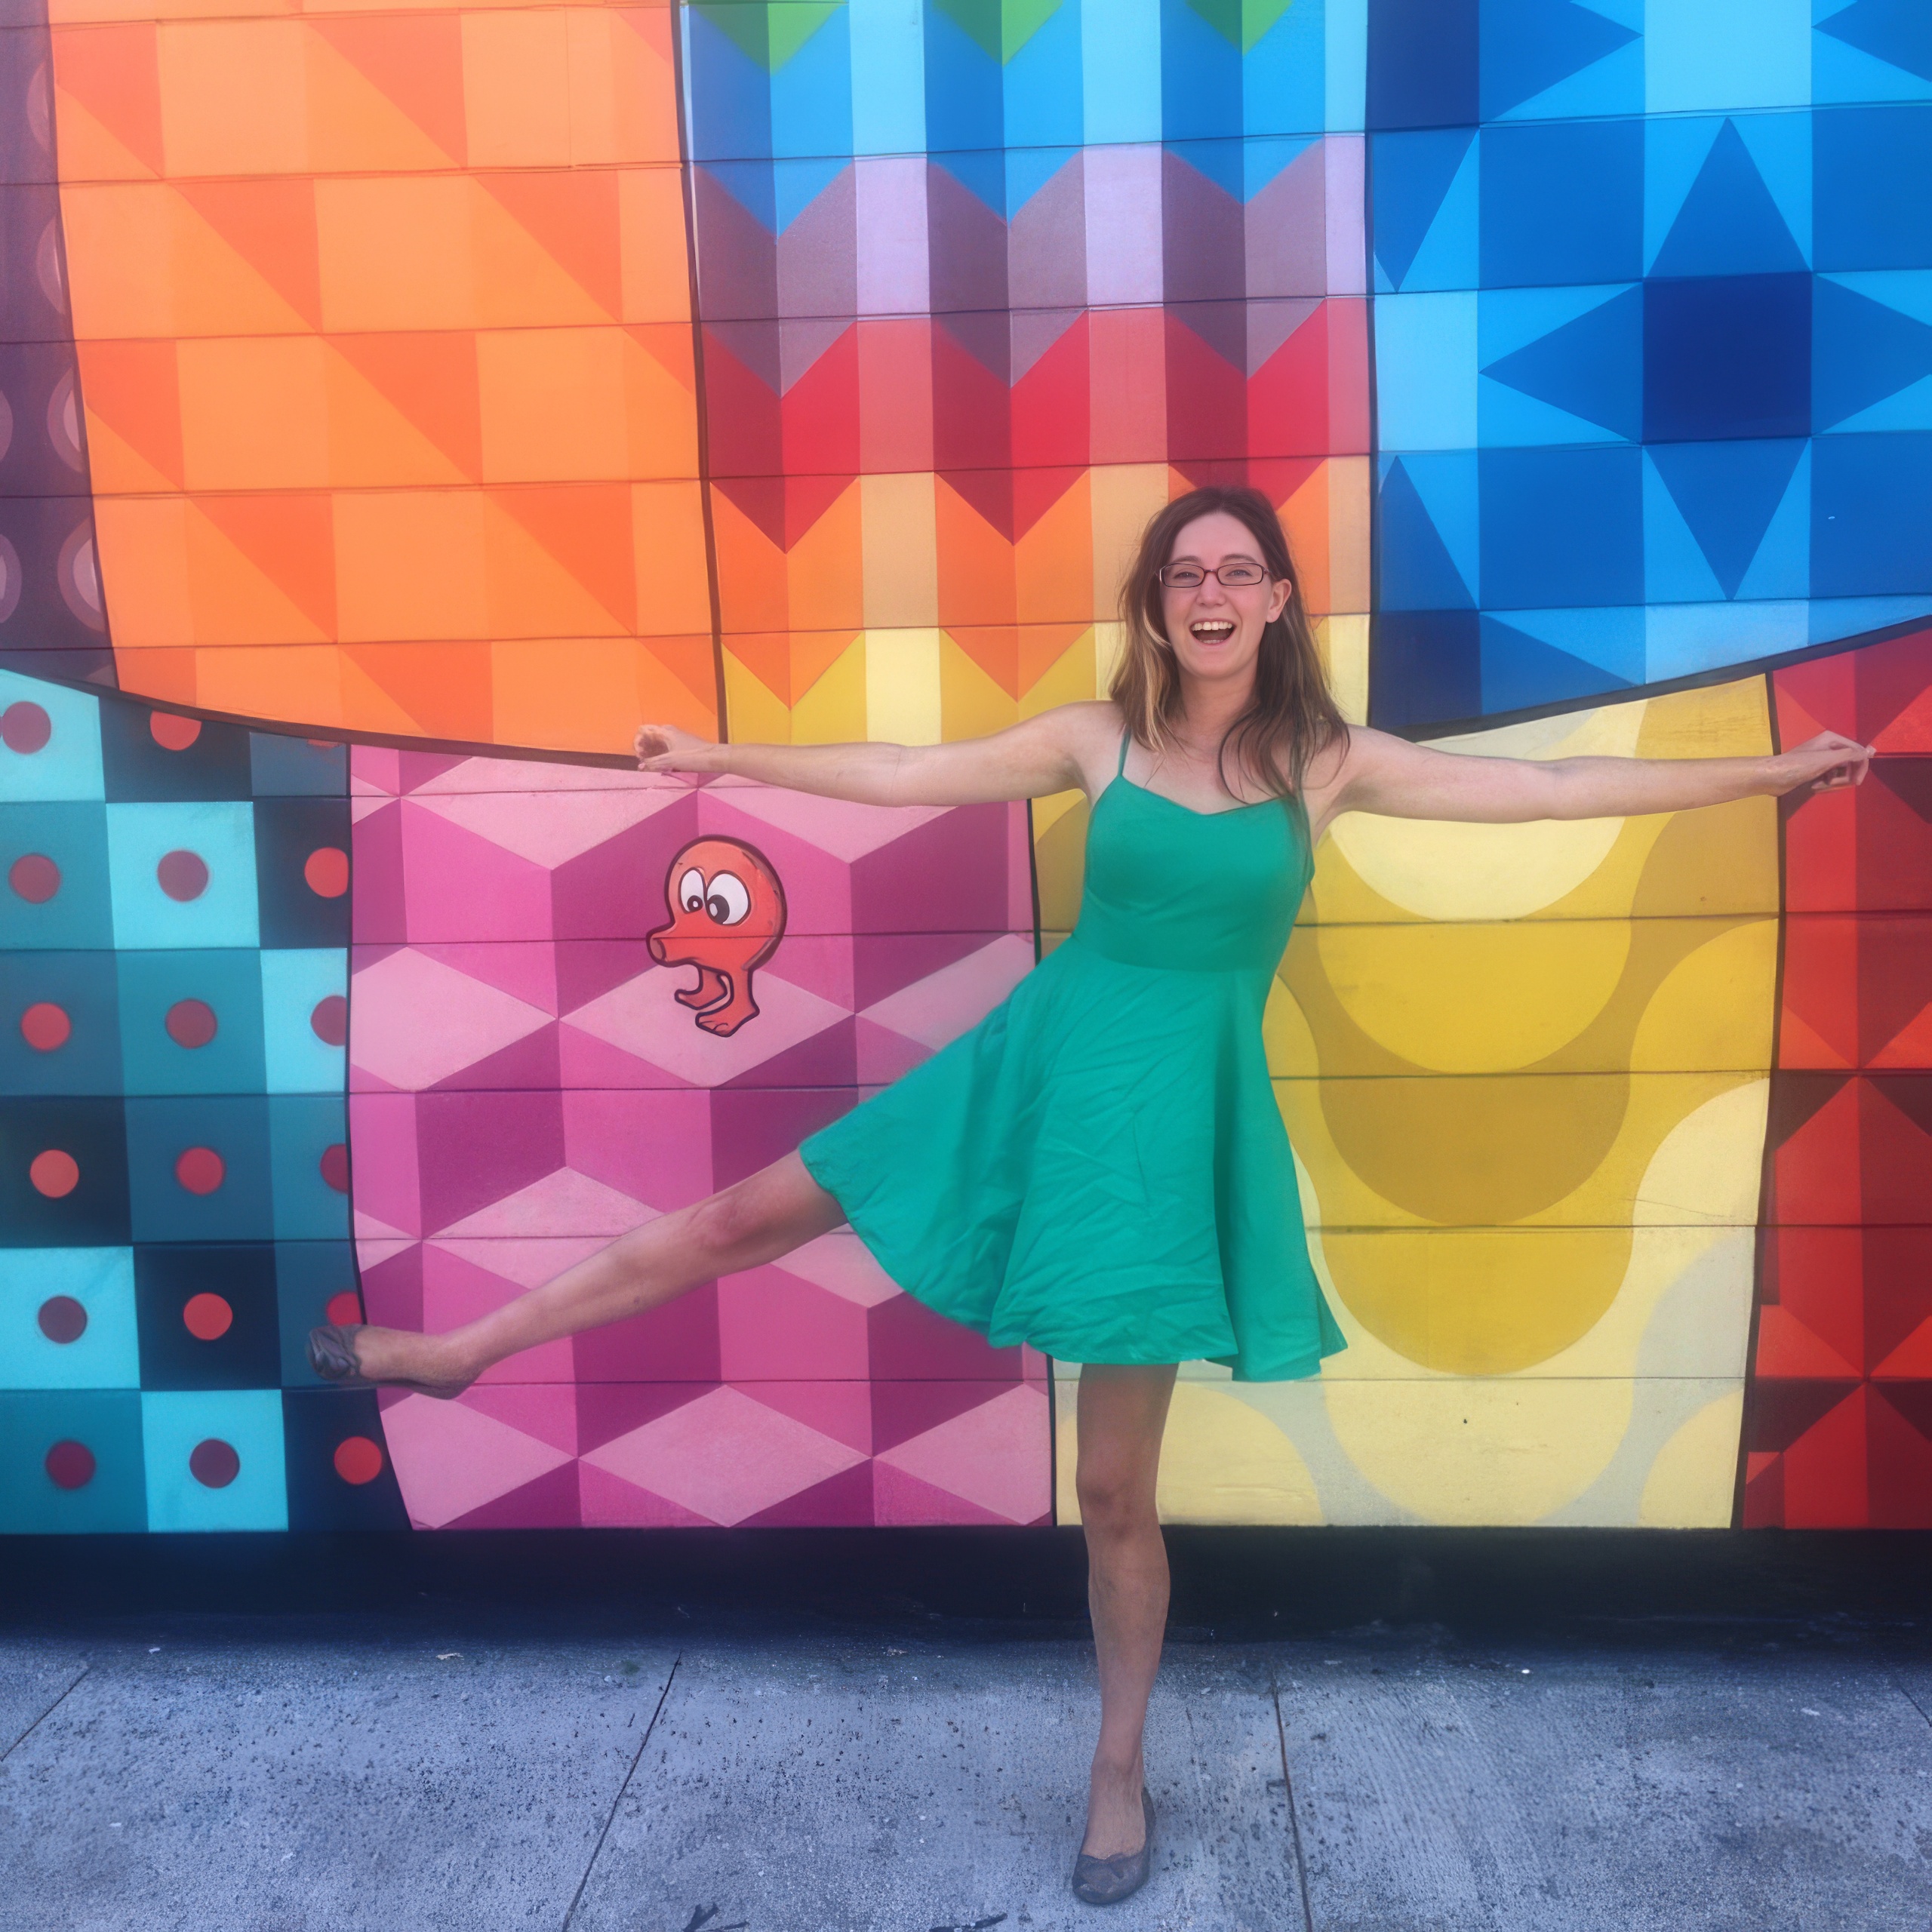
(1290,717)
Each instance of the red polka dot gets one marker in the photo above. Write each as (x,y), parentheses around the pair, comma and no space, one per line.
(35,878)
(201,1170)
(62,1319)
(358,1460)
(25,727)
(172,734)
(344,1307)
(45,1026)
(213,1464)
(334,1164)
(183,875)
(54,1173)
(190,1022)
(208,1317)
(329,1022)
(327,870)
(70,1465)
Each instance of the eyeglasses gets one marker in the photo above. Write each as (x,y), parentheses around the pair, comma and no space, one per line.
(1192,576)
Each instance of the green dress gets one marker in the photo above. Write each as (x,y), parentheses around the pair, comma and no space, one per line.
(1098,1167)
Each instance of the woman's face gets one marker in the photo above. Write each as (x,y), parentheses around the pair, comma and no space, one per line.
(1214,628)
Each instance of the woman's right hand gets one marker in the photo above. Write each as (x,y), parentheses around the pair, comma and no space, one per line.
(666,747)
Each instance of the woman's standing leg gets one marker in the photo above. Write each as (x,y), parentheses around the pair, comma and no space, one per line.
(758,1219)
(1122,1412)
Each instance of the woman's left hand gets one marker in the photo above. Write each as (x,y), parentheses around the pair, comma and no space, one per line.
(1827,763)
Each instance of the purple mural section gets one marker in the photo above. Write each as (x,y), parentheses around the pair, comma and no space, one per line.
(526,1083)
(52,616)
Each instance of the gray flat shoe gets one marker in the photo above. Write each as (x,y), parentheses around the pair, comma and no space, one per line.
(332,1355)
(1107,1880)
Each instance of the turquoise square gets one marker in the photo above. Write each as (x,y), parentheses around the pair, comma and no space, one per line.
(192,988)
(105,1354)
(221,836)
(162,1129)
(303,1128)
(106,1423)
(295,981)
(68,765)
(54,877)
(175,1423)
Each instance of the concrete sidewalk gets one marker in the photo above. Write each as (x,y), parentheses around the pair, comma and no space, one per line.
(455,1769)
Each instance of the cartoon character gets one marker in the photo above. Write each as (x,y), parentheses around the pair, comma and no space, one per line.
(728,915)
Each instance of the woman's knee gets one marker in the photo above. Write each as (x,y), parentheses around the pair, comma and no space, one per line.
(1115,1495)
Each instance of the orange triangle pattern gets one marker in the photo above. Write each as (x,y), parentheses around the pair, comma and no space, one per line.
(415,61)
(114,72)
(271,225)
(430,379)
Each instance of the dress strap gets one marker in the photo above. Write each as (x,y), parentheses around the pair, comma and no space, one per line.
(1120,770)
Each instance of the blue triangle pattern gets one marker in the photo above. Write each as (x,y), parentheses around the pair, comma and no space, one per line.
(1728,493)
(1729,224)
(1418,573)
(1519,671)
(1413,173)
(1593,366)
(1530,45)
(1898,31)
(1862,352)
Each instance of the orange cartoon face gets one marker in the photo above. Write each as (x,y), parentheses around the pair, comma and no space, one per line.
(728,915)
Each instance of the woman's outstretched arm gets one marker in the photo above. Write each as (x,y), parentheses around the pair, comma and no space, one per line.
(1389,776)
(1053,752)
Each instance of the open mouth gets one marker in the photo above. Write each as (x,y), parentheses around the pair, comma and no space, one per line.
(1212,630)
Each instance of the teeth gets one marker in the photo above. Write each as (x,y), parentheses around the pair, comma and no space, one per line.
(1213,630)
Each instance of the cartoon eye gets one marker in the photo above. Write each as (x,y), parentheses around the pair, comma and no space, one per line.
(690,890)
(729,901)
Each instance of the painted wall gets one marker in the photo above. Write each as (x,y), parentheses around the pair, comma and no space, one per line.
(398,403)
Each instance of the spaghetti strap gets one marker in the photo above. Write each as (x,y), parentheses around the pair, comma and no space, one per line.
(1120,770)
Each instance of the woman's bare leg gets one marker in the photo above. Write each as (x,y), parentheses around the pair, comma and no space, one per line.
(767,1215)
(1122,1413)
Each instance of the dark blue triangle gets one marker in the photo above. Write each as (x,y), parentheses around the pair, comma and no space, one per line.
(1593,366)
(1729,224)
(1518,670)
(1418,573)
(1528,45)
(1413,173)
(1728,493)
(1899,31)
(1862,352)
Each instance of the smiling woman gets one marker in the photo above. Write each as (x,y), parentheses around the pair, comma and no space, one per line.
(1100,1168)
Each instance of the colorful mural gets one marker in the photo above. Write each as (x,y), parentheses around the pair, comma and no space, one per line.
(459,385)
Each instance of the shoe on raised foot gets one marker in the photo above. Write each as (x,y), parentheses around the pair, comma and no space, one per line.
(332,1355)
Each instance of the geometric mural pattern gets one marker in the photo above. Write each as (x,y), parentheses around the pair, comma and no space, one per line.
(384,335)
(174,1161)
(1839,1429)
(441,379)
(564,1096)
(1654,340)
(1523,1069)
(980,289)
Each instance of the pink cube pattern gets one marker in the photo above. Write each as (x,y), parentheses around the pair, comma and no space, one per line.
(523,1086)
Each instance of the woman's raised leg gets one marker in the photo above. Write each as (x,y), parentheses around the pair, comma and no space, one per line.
(1122,1412)
(756,1220)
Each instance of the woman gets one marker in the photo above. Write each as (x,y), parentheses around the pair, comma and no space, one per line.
(1099,1167)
